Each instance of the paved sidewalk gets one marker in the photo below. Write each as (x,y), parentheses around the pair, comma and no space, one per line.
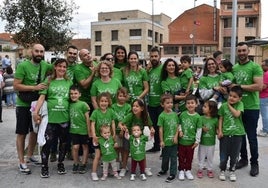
(10,176)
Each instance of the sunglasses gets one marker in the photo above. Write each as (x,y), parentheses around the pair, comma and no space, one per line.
(109,59)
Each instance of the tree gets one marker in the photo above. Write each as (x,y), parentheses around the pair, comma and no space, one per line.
(39,21)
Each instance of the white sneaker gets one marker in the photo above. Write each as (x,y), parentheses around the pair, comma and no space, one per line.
(181,175)
(189,175)
(148,172)
(132,177)
(143,177)
(122,172)
(222,176)
(232,176)
(94,176)
(103,178)
(262,133)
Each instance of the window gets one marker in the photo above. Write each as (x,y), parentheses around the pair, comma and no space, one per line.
(123,18)
(227,22)
(188,50)
(250,22)
(161,38)
(134,32)
(107,19)
(149,47)
(97,36)
(206,50)
(226,41)
(171,50)
(249,38)
(135,47)
(229,6)
(156,37)
(114,35)
(97,50)
(248,6)
(150,33)
(113,47)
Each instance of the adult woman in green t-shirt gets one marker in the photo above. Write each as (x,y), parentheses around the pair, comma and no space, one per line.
(57,96)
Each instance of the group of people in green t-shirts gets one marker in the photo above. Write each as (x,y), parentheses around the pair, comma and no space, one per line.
(108,101)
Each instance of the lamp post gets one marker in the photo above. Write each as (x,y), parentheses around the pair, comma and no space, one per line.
(192,36)
(152,23)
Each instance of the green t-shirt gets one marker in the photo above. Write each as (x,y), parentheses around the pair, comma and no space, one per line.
(209,138)
(101,118)
(209,81)
(78,121)
(134,82)
(111,87)
(82,72)
(155,91)
(131,120)
(226,76)
(120,113)
(171,85)
(190,123)
(185,77)
(117,73)
(244,75)
(70,72)
(169,122)
(108,152)
(28,73)
(120,65)
(57,96)
(232,125)
(137,147)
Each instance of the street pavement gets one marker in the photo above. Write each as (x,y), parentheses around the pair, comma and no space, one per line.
(10,176)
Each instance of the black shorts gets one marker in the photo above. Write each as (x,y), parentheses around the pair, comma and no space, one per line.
(24,120)
(78,139)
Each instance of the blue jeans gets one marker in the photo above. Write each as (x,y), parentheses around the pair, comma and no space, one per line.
(250,120)
(11,99)
(264,114)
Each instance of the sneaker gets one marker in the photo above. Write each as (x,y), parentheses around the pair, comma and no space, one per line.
(24,169)
(161,173)
(210,174)
(104,177)
(222,176)
(33,160)
(254,171)
(82,169)
(132,177)
(44,172)
(94,176)
(241,163)
(262,133)
(148,172)
(122,172)
(61,169)
(116,175)
(170,178)
(75,168)
(232,176)
(53,157)
(143,177)
(181,175)
(200,173)
(189,175)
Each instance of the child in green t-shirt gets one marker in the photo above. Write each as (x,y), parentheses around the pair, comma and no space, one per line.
(100,116)
(168,123)
(121,109)
(208,138)
(190,130)
(231,131)
(137,142)
(108,153)
(79,129)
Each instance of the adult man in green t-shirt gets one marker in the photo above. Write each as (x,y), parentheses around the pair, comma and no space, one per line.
(155,92)
(71,57)
(248,75)
(26,77)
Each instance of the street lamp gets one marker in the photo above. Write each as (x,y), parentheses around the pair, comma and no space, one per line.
(192,36)
(152,23)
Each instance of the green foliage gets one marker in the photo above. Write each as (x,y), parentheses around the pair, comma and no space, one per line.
(39,21)
(6,49)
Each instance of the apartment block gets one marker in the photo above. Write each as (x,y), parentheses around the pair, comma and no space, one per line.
(134,29)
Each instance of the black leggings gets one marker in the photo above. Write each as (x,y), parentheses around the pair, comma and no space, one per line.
(53,130)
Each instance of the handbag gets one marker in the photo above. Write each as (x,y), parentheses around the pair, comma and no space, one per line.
(29,96)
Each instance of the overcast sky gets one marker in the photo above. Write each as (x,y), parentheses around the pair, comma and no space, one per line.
(88,11)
